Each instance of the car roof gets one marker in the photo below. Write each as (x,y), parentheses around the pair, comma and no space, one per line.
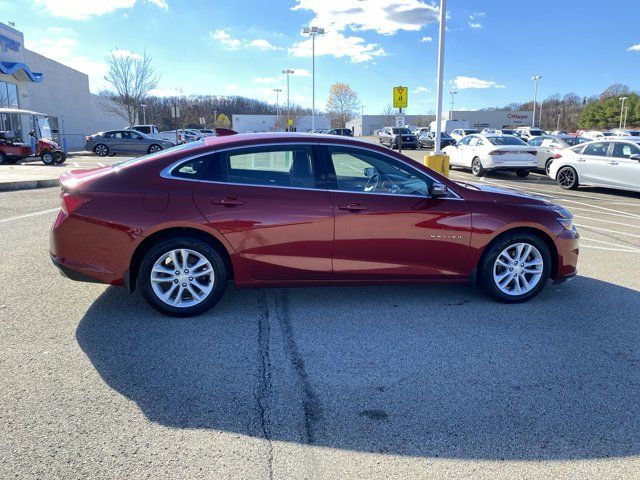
(280,137)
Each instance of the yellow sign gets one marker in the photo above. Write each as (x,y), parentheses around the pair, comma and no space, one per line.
(400,97)
(290,122)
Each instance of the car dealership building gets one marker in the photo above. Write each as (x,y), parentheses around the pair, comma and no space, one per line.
(30,81)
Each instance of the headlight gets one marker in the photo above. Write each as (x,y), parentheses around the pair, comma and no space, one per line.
(565,217)
(567,223)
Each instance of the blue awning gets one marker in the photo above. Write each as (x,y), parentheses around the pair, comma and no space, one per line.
(21,71)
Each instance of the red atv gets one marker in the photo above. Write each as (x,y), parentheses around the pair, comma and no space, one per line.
(12,151)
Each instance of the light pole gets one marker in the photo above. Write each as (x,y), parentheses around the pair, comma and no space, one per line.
(626,112)
(452,93)
(277,90)
(443,17)
(313,32)
(622,110)
(288,72)
(535,79)
(144,114)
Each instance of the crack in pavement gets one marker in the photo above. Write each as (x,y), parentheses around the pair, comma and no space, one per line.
(310,402)
(264,369)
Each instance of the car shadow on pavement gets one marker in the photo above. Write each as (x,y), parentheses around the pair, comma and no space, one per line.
(411,370)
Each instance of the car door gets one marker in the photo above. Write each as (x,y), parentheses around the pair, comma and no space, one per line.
(386,224)
(623,171)
(138,143)
(456,156)
(471,151)
(591,164)
(273,209)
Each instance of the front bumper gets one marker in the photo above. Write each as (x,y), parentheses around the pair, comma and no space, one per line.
(568,245)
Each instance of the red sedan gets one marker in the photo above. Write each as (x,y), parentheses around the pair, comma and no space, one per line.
(295,210)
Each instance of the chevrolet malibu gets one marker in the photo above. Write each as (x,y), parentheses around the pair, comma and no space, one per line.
(281,210)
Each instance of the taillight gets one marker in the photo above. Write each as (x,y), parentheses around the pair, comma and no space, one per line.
(70,202)
(496,152)
(557,155)
(86,139)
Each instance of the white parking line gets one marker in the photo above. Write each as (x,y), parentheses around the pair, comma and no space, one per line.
(608,230)
(610,244)
(75,164)
(101,164)
(26,215)
(593,247)
(607,221)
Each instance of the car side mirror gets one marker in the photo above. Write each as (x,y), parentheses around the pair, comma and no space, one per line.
(369,171)
(438,190)
(635,156)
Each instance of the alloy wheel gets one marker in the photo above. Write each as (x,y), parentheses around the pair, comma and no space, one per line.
(102,150)
(182,278)
(566,178)
(154,148)
(518,269)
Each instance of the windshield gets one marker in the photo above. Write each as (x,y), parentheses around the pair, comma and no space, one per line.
(536,133)
(44,127)
(572,141)
(505,140)
(470,131)
(402,131)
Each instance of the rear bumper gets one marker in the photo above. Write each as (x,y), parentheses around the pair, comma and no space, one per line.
(510,168)
(72,274)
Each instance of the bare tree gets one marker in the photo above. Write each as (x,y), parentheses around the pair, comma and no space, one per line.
(342,104)
(131,77)
(389,115)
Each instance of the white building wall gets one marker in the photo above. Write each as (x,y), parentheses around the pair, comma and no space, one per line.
(492,118)
(267,123)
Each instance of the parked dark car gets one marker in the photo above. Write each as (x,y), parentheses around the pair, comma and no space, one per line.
(278,209)
(390,137)
(344,132)
(129,142)
(428,140)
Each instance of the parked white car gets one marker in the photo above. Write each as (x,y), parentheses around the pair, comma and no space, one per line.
(527,133)
(152,131)
(482,153)
(549,145)
(612,163)
(459,133)
(623,132)
(596,134)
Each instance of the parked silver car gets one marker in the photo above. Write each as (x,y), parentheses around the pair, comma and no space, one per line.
(124,141)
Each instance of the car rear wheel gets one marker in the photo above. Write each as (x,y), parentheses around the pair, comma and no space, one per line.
(568,178)
(154,148)
(3,158)
(182,276)
(547,166)
(516,268)
(476,167)
(522,173)
(101,150)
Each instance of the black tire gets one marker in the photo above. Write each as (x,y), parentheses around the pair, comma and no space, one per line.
(547,165)
(101,150)
(3,159)
(60,156)
(522,173)
(476,167)
(162,248)
(154,148)
(567,178)
(48,157)
(485,269)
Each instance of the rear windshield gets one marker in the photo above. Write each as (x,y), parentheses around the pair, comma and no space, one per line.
(505,140)
(470,131)
(571,141)
(536,133)
(402,131)
(179,148)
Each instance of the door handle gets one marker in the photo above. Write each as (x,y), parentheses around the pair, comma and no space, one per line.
(353,207)
(228,202)
(581,160)
(613,163)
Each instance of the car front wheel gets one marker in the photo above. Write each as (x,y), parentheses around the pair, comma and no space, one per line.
(182,276)
(516,268)
(476,167)
(154,148)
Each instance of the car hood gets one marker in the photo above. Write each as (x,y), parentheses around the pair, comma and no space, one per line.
(506,195)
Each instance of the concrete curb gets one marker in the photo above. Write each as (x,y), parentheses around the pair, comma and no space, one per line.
(28,184)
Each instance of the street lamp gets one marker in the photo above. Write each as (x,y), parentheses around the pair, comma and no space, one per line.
(626,112)
(443,18)
(535,79)
(277,90)
(288,72)
(452,93)
(144,114)
(622,109)
(313,32)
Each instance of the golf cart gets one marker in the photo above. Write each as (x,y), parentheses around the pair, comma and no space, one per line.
(15,146)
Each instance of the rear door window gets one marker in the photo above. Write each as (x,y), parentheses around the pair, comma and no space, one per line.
(598,149)
(624,150)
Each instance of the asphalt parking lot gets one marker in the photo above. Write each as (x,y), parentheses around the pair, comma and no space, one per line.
(351,382)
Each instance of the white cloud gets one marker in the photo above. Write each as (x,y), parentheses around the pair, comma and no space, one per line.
(83,9)
(301,72)
(634,48)
(475,25)
(122,53)
(421,90)
(381,16)
(265,79)
(338,45)
(426,39)
(262,44)
(225,39)
(462,83)
(475,15)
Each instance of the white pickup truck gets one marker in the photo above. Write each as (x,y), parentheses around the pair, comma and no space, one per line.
(153,132)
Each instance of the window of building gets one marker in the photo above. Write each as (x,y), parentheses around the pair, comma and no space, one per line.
(8,95)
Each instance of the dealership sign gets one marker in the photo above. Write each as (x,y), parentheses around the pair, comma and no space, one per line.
(517,116)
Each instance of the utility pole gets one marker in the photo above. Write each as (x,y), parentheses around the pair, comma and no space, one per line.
(144,114)
(288,72)
(626,112)
(277,90)
(452,92)
(313,32)
(443,18)
(622,110)
(535,79)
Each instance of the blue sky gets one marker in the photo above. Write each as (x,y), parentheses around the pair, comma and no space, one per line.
(239,48)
